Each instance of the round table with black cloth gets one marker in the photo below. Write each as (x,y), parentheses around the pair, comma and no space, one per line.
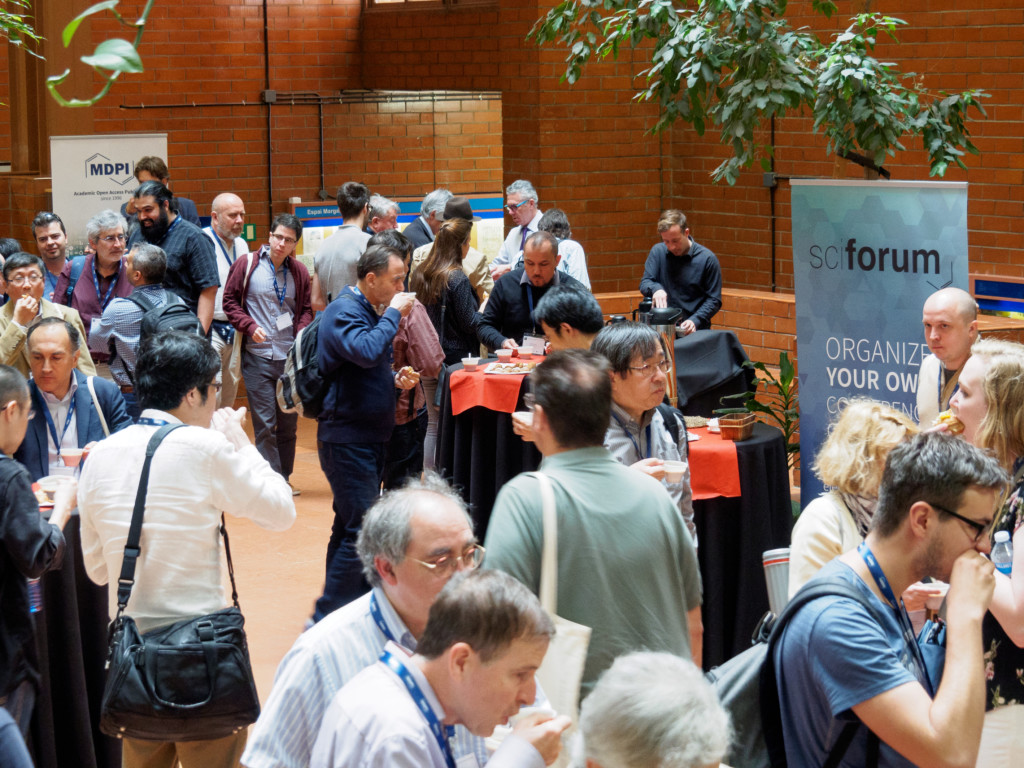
(71,644)
(478,452)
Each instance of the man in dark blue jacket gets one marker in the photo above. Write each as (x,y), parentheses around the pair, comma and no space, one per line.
(355,352)
(67,417)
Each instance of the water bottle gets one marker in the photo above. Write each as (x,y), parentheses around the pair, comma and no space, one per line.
(1002,553)
(35,596)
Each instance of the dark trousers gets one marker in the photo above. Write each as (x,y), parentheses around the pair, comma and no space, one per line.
(404,457)
(354,472)
(273,429)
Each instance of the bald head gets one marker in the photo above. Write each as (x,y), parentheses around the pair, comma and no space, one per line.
(950,320)
(227,216)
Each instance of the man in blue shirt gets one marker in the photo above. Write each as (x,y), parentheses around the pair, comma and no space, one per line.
(836,664)
(355,353)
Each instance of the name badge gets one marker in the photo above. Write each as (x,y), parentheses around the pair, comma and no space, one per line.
(284,321)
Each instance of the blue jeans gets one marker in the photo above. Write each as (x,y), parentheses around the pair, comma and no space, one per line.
(405,452)
(354,472)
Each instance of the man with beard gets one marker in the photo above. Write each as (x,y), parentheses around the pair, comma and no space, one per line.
(52,244)
(191,262)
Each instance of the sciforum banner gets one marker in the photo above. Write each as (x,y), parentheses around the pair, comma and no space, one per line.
(866,255)
(91,173)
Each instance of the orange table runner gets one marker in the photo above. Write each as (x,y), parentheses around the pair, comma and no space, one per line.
(498,392)
(714,467)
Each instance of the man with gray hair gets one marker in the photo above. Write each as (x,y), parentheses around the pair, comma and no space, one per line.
(383,214)
(474,263)
(413,540)
(424,229)
(89,285)
(474,666)
(334,266)
(521,203)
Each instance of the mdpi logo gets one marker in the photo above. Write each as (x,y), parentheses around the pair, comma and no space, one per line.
(101,165)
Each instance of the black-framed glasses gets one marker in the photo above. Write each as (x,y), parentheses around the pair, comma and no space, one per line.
(980,527)
(472,557)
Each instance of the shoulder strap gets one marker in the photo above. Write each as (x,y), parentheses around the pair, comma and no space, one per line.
(77,267)
(141,301)
(89,380)
(673,418)
(549,558)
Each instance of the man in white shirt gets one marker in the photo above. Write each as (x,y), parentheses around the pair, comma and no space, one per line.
(431,520)
(227,220)
(950,319)
(485,638)
(521,203)
(197,474)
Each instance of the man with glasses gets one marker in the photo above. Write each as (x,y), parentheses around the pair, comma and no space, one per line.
(629,568)
(521,204)
(267,300)
(413,540)
(91,284)
(836,664)
(23,273)
(644,432)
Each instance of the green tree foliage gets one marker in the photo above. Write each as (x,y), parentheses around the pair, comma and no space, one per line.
(735,64)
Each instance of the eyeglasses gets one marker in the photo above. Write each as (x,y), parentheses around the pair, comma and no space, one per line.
(647,370)
(471,558)
(25,279)
(283,239)
(111,239)
(516,206)
(980,527)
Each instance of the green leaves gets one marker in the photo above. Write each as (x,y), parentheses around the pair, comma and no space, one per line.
(116,55)
(72,27)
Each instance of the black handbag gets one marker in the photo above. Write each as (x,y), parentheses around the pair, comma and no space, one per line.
(187,681)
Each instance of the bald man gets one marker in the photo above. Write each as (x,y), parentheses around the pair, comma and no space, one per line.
(227,219)
(950,328)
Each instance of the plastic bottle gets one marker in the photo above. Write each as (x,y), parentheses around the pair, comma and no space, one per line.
(35,596)
(1002,553)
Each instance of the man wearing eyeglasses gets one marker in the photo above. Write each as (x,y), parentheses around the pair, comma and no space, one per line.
(267,300)
(521,203)
(91,284)
(25,285)
(412,541)
(838,667)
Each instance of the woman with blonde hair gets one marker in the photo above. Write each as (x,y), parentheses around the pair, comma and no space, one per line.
(990,405)
(851,461)
(444,290)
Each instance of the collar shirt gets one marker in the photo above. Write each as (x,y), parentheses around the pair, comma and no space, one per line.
(196,475)
(58,409)
(426,227)
(225,258)
(513,244)
(270,302)
(120,324)
(191,261)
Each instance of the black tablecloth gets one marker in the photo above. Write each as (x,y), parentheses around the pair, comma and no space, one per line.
(478,451)
(709,365)
(71,642)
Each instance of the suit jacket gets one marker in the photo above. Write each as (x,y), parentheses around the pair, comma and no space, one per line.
(14,350)
(34,450)
(418,232)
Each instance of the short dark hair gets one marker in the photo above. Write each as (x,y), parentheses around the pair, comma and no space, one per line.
(575,391)
(540,239)
(8,245)
(45,218)
(556,222)
(620,343)
(13,386)
(22,259)
(73,335)
(151,261)
(170,366)
(154,166)
(393,239)
(156,190)
(289,220)
(352,198)
(936,468)
(376,259)
(487,610)
(571,305)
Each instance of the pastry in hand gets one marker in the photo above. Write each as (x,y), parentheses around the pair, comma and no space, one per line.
(953,425)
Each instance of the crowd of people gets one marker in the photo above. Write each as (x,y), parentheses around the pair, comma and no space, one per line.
(425,645)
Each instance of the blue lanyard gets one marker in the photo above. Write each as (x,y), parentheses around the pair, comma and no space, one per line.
(378,619)
(441,733)
(639,453)
(278,290)
(104,300)
(909,639)
(53,427)
(220,246)
(145,421)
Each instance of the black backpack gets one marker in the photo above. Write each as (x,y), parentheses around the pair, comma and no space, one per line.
(173,315)
(301,388)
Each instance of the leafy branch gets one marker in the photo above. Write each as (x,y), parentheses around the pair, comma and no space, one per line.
(16,26)
(736,64)
(111,57)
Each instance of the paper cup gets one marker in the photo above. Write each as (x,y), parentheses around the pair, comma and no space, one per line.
(776,574)
(674,471)
(71,457)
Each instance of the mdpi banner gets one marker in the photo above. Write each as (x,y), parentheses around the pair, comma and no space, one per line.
(866,255)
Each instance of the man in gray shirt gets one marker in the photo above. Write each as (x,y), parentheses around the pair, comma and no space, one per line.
(334,265)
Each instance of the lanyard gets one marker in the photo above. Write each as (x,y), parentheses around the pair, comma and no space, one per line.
(104,300)
(941,385)
(639,453)
(440,733)
(378,619)
(909,638)
(53,427)
(145,421)
(279,291)
(220,246)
